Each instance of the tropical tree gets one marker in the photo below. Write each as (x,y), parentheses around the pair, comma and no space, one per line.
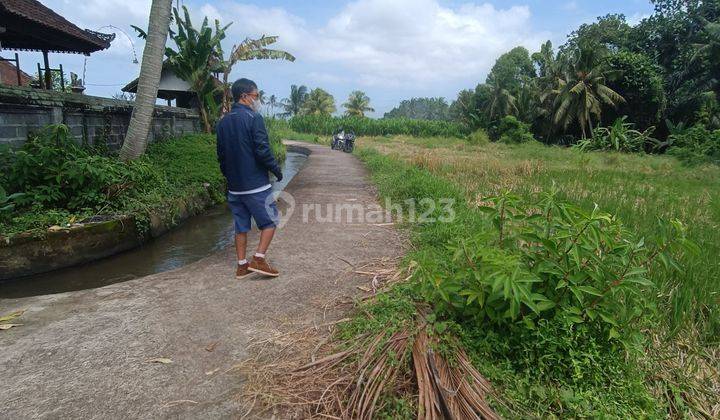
(136,137)
(272,104)
(501,101)
(511,70)
(709,51)
(250,49)
(583,92)
(293,104)
(318,102)
(357,104)
(197,56)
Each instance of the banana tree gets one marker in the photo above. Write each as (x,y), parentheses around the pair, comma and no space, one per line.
(197,56)
(249,49)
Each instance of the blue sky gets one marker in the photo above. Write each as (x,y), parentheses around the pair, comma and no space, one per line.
(392,50)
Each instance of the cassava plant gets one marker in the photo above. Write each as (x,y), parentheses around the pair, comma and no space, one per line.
(548,259)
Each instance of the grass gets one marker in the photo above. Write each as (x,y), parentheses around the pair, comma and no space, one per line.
(637,188)
(552,372)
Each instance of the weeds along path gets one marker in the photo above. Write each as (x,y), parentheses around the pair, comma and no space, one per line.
(165,345)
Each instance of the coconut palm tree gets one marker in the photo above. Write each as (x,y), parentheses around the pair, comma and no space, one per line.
(582,93)
(272,104)
(250,49)
(136,137)
(501,102)
(294,103)
(318,102)
(357,104)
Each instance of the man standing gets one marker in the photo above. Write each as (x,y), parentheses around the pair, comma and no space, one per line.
(245,159)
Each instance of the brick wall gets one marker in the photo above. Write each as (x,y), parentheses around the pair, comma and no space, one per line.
(91,119)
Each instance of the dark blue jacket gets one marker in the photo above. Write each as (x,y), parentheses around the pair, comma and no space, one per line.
(243,149)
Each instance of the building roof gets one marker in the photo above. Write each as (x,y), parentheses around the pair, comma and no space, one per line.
(8,75)
(171,86)
(29,25)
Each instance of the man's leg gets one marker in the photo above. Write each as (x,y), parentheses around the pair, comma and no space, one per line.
(241,220)
(266,236)
(241,245)
(264,210)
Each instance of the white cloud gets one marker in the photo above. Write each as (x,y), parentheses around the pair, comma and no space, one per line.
(392,43)
(570,6)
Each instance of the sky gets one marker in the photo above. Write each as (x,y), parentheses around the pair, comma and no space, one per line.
(390,49)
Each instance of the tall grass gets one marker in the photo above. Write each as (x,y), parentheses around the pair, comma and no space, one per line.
(326,125)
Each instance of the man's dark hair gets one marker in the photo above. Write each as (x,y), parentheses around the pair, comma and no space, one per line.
(241,87)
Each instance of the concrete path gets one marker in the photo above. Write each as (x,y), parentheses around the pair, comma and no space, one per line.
(85,354)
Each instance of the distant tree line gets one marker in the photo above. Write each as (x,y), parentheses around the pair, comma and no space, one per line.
(661,72)
(421,109)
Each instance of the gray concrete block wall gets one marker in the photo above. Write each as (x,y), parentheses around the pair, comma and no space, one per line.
(91,120)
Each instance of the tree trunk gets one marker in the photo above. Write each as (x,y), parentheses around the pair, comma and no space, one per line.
(204,115)
(136,138)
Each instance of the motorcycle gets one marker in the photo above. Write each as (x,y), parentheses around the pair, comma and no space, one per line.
(343,140)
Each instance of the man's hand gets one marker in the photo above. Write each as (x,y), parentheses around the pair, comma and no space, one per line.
(278,175)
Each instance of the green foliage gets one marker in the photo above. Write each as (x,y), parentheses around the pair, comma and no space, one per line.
(553,261)
(639,81)
(583,92)
(421,109)
(53,181)
(610,33)
(549,365)
(478,137)
(293,104)
(8,202)
(696,145)
(512,131)
(197,54)
(318,102)
(357,104)
(52,171)
(326,125)
(511,70)
(620,137)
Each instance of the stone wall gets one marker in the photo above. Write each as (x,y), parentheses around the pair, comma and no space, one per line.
(91,119)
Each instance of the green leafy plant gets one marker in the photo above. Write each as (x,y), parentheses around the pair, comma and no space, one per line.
(8,202)
(513,131)
(550,260)
(478,137)
(53,171)
(696,145)
(620,137)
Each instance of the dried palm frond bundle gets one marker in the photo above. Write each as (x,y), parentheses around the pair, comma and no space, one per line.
(448,391)
(354,383)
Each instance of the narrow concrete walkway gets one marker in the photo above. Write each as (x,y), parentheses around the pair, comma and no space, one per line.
(85,354)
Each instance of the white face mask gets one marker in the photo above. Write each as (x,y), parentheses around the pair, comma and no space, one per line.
(256,104)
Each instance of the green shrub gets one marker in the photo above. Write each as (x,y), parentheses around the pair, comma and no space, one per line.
(696,145)
(327,125)
(513,131)
(478,137)
(549,260)
(52,171)
(620,137)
